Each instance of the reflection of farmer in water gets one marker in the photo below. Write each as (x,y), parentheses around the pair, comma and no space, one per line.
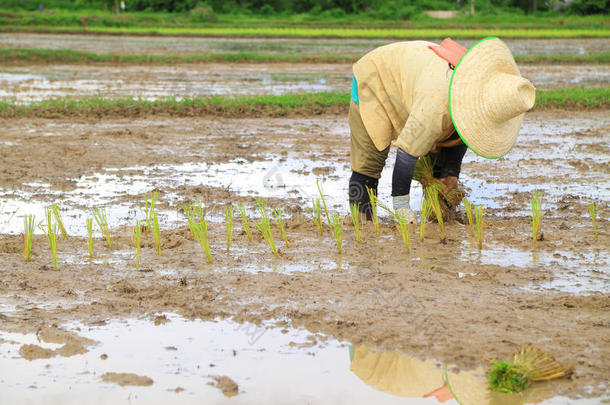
(431,98)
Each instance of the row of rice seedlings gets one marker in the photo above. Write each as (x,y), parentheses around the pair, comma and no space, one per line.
(468,209)
(99,214)
(51,231)
(479,213)
(316,214)
(229,220)
(60,223)
(28,235)
(337,231)
(198,227)
(136,238)
(264,225)
(373,199)
(354,211)
(536,215)
(90,236)
(593,214)
(279,219)
(245,222)
(432,195)
(403,228)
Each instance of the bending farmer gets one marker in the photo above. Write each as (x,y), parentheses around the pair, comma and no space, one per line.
(428,98)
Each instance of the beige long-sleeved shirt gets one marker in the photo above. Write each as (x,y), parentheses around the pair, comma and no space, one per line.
(403,92)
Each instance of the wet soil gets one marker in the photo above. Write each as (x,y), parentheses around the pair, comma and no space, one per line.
(447,301)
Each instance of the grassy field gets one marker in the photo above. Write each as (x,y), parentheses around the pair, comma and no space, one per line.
(302,32)
(22,56)
(275,106)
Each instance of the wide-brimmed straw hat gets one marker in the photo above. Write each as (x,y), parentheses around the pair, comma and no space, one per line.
(488,97)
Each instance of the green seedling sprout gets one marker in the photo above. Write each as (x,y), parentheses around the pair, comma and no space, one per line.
(278,217)
(198,227)
(373,198)
(479,213)
(593,214)
(403,228)
(28,236)
(156,230)
(150,208)
(99,214)
(229,220)
(355,215)
(245,222)
(90,234)
(52,232)
(435,203)
(424,212)
(323,203)
(264,225)
(536,215)
(468,209)
(60,223)
(337,227)
(316,214)
(136,238)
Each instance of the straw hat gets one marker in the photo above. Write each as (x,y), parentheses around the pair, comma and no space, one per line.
(488,97)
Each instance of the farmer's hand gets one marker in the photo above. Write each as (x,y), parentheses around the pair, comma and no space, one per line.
(450,183)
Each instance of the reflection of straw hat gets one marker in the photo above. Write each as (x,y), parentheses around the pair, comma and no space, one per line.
(487,95)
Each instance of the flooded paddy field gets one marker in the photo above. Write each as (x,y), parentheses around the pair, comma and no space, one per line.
(374,324)
(44,82)
(185,45)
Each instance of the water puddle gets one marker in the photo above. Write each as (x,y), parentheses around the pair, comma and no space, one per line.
(173,359)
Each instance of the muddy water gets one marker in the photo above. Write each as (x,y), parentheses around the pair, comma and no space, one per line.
(36,83)
(262,364)
(164,45)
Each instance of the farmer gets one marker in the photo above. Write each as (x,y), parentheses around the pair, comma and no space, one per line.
(428,98)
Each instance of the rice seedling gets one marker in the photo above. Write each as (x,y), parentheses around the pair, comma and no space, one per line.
(60,223)
(90,235)
(229,221)
(468,209)
(403,228)
(51,231)
(199,227)
(279,219)
(435,204)
(374,217)
(28,235)
(245,222)
(316,214)
(337,231)
(593,214)
(156,230)
(536,215)
(264,225)
(354,212)
(529,365)
(136,238)
(323,203)
(479,213)
(99,214)
(424,212)
(150,205)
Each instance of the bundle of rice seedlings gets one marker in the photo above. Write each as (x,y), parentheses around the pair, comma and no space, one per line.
(229,220)
(28,235)
(424,211)
(424,173)
(468,209)
(150,208)
(60,223)
(337,228)
(198,227)
(316,214)
(52,232)
(435,203)
(99,214)
(355,215)
(264,225)
(403,228)
(136,238)
(536,216)
(529,365)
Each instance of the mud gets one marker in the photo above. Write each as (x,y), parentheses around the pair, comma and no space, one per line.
(447,302)
(184,45)
(43,82)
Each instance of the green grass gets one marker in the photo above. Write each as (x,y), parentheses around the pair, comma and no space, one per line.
(23,56)
(256,106)
(318,32)
(28,236)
